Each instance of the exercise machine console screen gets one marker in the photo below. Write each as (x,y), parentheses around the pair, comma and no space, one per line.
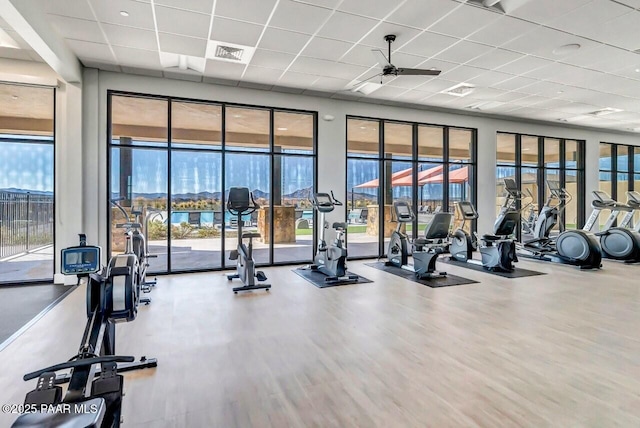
(80,260)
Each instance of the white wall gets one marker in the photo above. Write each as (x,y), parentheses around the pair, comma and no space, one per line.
(331,137)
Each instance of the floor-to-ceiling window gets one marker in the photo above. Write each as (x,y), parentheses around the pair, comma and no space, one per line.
(429,166)
(175,160)
(26,183)
(533,161)
(619,172)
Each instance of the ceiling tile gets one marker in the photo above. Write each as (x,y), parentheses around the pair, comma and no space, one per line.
(408,82)
(464,21)
(360,55)
(89,50)
(290,15)
(622,31)
(463,51)
(585,58)
(373,9)
(262,75)
(140,14)
(283,41)
(71,8)
(271,59)
(182,22)
(514,83)
(546,89)
(182,45)
(542,41)
(551,70)
(203,6)
(130,37)
(299,80)
(510,97)
(414,96)
(412,13)
(437,85)
(137,57)
(632,71)
(77,29)
(427,44)
(387,92)
(463,73)
(588,19)
(615,60)
(322,48)
(320,67)
(543,11)
(330,84)
(218,81)
(490,78)
(245,10)
(524,65)
(240,33)
(376,37)
(322,3)
(495,58)
(502,31)
(223,69)
(349,28)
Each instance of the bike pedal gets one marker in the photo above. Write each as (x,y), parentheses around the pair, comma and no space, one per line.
(233,255)
(261,276)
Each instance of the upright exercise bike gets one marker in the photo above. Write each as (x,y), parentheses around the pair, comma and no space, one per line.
(575,247)
(617,243)
(239,203)
(425,250)
(330,260)
(94,395)
(633,201)
(497,250)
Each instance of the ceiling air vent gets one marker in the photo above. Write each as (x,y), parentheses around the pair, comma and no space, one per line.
(460,90)
(227,52)
(605,111)
(485,105)
(501,6)
(223,51)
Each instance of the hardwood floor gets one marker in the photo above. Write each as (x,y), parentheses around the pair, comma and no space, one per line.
(558,350)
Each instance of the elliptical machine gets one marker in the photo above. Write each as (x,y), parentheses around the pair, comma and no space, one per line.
(425,250)
(617,243)
(633,201)
(330,260)
(498,250)
(239,203)
(575,247)
(94,395)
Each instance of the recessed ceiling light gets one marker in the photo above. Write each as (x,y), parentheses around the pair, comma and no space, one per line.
(637,70)
(14,97)
(363,127)
(563,50)
(283,129)
(237,116)
(561,92)
(124,13)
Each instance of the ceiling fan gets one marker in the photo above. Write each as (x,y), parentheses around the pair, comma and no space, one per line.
(388,69)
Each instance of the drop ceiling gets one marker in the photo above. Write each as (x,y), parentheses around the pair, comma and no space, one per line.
(321,46)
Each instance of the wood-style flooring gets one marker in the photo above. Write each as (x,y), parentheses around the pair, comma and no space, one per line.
(559,350)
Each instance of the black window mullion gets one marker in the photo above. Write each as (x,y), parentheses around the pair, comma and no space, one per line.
(414,179)
(614,171)
(169,193)
(445,170)
(272,186)
(223,197)
(381,189)
(518,177)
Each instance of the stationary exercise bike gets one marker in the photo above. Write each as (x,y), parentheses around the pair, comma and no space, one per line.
(425,250)
(498,250)
(617,243)
(575,247)
(94,395)
(136,244)
(239,203)
(330,260)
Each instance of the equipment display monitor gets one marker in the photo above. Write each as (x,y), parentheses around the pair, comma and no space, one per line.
(553,185)
(510,184)
(322,199)
(80,260)
(602,196)
(467,208)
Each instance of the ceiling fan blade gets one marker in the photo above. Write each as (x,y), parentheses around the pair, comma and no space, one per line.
(417,72)
(382,59)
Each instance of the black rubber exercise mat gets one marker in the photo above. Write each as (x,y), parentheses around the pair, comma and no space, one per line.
(318,279)
(517,273)
(443,281)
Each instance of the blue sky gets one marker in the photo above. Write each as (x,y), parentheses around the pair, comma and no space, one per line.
(26,166)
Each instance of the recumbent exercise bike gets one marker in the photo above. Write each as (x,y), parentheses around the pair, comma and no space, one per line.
(425,249)
(94,395)
(240,202)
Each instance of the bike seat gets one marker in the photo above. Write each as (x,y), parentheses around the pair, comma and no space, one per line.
(339,226)
(250,235)
(88,413)
(420,241)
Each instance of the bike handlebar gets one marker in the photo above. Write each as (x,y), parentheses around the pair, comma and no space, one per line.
(80,363)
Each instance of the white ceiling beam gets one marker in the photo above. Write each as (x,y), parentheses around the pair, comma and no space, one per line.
(28,20)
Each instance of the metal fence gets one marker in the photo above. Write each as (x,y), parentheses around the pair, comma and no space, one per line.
(26,222)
